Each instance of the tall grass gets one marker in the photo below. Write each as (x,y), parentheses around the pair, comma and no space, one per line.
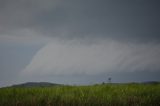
(97,95)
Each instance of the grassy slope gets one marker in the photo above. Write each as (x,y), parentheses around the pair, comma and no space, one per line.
(98,95)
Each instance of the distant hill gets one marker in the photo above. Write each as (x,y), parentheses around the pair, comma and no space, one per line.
(36,84)
(151,82)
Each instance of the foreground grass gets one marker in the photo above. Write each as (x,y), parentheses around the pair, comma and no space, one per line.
(97,95)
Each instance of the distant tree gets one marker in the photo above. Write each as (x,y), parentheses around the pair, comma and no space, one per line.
(109,80)
(103,83)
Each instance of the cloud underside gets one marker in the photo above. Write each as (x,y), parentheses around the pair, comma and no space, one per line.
(75,57)
(25,20)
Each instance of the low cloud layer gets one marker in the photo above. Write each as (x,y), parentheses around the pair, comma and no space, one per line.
(77,57)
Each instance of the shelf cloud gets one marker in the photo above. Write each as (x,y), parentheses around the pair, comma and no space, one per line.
(76,57)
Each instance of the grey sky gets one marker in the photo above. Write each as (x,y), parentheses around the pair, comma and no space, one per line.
(85,31)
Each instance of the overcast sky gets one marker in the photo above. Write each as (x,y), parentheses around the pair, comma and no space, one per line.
(79,41)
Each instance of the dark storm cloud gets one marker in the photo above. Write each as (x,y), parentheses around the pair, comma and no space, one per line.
(80,37)
(137,20)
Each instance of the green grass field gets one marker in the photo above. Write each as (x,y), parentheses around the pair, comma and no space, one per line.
(96,95)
